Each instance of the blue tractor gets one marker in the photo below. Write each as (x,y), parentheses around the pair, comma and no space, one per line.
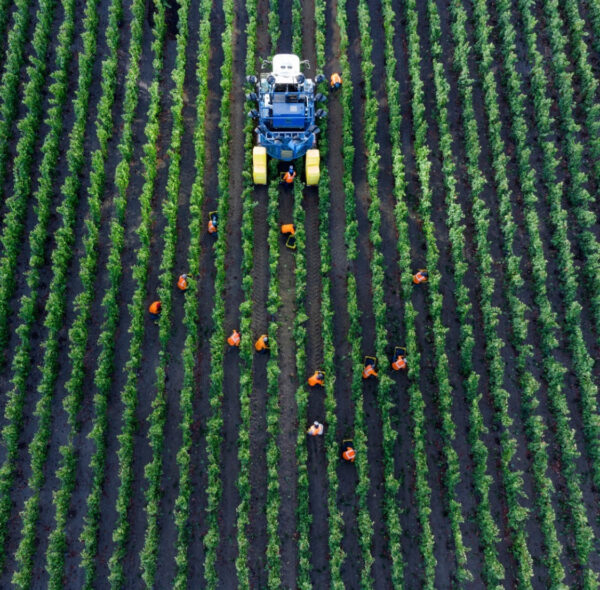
(287,113)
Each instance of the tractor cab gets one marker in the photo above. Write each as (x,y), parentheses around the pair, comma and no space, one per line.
(286,115)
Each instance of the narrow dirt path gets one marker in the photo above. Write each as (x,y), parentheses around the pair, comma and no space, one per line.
(288,380)
(316,463)
(202,409)
(258,424)
(347,499)
(233,297)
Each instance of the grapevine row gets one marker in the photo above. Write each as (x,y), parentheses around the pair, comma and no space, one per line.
(110,304)
(568,284)
(365,525)
(579,197)
(535,427)
(61,256)
(553,371)
(246,345)
(416,403)
(214,436)
(385,384)
(191,320)
(512,478)
(78,335)
(9,92)
(153,471)
(28,126)
(336,523)
(589,84)
(138,313)
(493,570)
(303,516)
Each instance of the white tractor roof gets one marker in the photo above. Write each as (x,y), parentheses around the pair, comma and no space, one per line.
(286,65)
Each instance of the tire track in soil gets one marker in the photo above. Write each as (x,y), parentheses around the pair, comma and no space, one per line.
(131,243)
(202,409)
(257,527)
(21,490)
(316,462)
(347,499)
(60,426)
(362,269)
(174,373)
(561,353)
(231,409)
(288,379)
(150,350)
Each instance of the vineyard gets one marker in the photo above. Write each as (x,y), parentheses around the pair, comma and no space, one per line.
(148,453)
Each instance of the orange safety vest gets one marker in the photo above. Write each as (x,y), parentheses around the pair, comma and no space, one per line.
(182,282)
(368,371)
(399,363)
(234,339)
(155,307)
(419,278)
(335,79)
(315,430)
(289,178)
(316,379)
(212,228)
(262,343)
(349,454)
(288,228)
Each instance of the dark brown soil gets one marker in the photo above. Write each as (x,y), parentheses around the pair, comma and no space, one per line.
(342,268)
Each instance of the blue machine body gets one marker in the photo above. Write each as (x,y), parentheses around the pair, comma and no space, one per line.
(286,110)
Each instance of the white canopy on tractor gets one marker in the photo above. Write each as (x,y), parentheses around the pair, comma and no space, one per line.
(286,67)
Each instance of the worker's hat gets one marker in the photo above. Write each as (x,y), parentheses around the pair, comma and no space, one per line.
(291,169)
(316,423)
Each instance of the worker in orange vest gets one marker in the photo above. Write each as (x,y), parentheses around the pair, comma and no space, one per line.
(335,81)
(289,176)
(234,339)
(315,429)
(420,277)
(400,363)
(288,228)
(348,452)
(182,283)
(317,378)
(155,308)
(213,223)
(262,343)
(369,371)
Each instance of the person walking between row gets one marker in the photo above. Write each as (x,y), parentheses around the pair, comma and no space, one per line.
(289,176)
(317,378)
(262,343)
(234,339)
(182,282)
(315,429)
